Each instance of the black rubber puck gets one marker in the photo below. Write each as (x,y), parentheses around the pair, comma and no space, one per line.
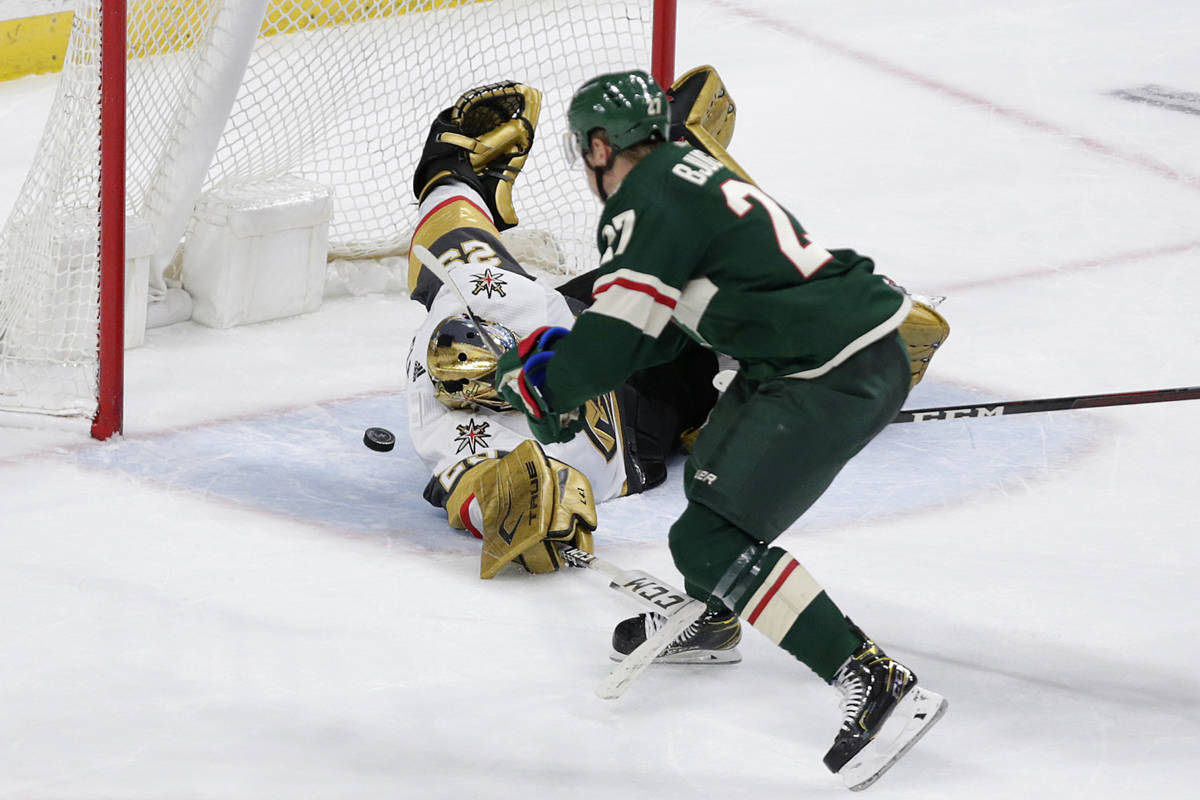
(379,439)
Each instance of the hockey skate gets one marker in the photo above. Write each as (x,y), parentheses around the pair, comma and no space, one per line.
(885,713)
(712,639)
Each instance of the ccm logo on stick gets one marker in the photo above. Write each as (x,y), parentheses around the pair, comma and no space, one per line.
(955,413)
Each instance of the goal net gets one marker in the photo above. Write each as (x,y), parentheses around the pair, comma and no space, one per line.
(236,93)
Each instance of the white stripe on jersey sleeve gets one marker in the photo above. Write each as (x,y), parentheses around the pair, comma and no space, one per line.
(642,300)
(694,302)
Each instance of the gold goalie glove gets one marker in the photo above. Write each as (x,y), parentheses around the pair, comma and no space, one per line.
(482,140)
(531,505)
(703,113)
(923,331)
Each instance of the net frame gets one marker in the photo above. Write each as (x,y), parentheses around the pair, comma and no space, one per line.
(118,183)
(110,341)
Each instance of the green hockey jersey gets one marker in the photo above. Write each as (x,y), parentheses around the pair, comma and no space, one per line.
(689,249)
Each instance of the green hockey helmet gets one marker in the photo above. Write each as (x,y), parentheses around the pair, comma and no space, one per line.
(630,106)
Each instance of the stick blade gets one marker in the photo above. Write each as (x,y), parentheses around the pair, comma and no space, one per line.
(624,673)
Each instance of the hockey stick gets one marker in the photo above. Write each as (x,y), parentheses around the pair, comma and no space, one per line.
(1048,404)
(679,609)
(381,439)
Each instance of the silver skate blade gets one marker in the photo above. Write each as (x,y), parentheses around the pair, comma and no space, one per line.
(915,714)
(731,656)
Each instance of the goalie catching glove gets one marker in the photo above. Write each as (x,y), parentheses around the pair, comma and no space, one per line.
(524,506)
(520,375)
(483,141)
(703,114)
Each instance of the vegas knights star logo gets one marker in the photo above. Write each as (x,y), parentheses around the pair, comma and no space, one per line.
(472,437)
(488,283)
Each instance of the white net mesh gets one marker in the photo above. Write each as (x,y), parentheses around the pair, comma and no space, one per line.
(336,92)
(48,252)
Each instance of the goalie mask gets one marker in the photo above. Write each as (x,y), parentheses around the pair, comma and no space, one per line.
(462,366)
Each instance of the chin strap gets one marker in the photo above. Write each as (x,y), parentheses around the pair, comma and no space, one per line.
(601,171)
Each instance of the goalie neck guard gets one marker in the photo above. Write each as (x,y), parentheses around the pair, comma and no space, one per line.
(462,366)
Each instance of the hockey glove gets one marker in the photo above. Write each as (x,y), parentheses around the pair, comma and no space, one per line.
(483,141)
(924,330)
(520,376)
(524,506)
(703,114)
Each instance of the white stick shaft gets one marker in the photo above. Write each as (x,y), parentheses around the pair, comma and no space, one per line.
(679,609)
(622,674)
(431,263)
(641,586)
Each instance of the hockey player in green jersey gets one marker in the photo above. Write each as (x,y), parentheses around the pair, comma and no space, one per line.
(692,249)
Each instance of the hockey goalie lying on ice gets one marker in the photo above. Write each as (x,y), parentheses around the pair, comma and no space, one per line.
(521,498)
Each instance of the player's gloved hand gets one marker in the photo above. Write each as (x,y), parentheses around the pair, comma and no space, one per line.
(520,376)
(483,141)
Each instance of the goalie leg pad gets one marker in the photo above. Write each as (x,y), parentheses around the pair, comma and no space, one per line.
(924,330)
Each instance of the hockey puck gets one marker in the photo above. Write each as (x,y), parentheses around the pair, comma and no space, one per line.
(379,439)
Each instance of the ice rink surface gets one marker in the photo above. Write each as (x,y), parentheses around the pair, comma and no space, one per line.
(238,600)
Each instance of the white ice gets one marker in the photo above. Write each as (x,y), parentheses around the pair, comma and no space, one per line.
(238,600)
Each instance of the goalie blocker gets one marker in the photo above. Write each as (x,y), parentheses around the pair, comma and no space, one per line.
(628,434)
(524,506)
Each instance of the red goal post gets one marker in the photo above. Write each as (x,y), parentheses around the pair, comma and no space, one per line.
(110,345)
(192,97)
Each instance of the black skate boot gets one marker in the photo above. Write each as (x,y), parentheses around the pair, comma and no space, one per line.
(885,713)
(712,639)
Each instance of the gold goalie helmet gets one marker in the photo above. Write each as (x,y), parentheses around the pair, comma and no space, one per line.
(462,366)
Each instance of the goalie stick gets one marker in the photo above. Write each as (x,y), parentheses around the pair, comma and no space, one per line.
(431,263)
(1047,404)
(679,609)
(381,439)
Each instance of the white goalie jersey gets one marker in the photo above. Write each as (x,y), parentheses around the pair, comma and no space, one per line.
(448,440)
